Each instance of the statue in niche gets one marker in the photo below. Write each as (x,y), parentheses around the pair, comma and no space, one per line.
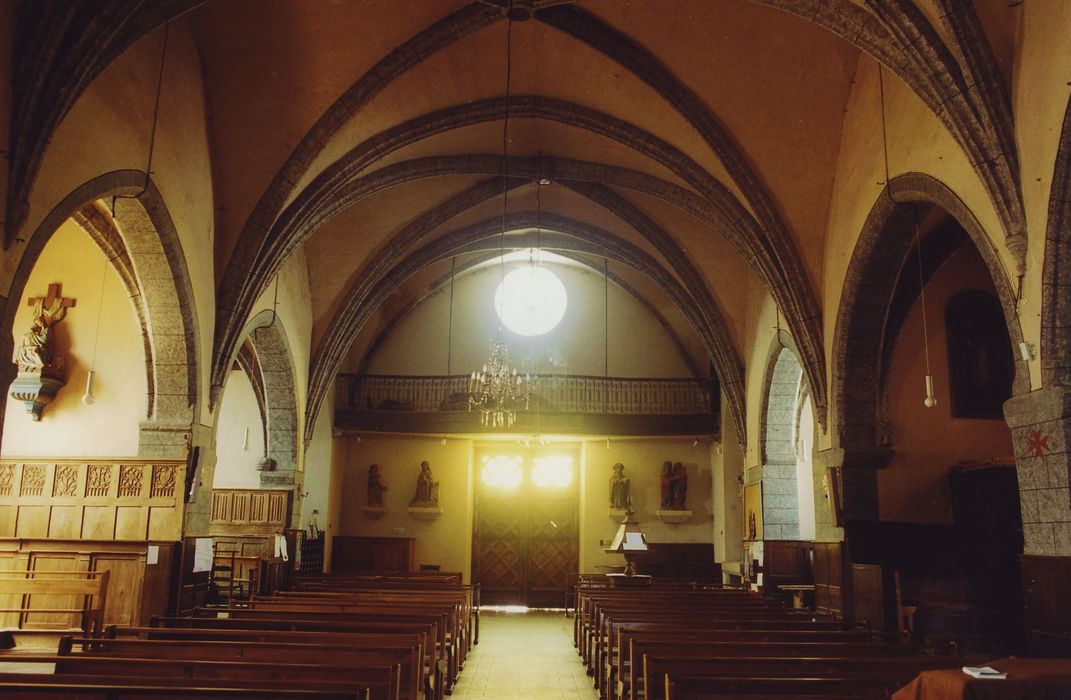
(620,496)
(375,487)
(34,353)
(667,485)
(427,489)
(678,486)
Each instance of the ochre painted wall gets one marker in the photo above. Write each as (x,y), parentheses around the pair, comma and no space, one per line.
(638,345)
(447,541)
(239,435)
(927,441)
(108,129)
(109,427)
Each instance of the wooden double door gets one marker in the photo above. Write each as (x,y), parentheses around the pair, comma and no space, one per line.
(525,530)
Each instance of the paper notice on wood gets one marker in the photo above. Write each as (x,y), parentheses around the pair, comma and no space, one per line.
(280,547)
(152,556)
(202,554)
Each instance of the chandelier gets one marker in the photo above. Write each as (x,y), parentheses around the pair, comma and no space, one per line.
(498,391)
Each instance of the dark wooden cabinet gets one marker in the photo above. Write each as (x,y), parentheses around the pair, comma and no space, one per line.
(350,554)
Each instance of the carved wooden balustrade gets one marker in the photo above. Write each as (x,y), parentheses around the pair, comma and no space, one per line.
(94,499)
(250,511)
(557,403)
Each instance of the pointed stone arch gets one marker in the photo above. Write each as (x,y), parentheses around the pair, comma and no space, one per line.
(779,417)
(273,378)
(1056,302)
(859,423)
(158,266)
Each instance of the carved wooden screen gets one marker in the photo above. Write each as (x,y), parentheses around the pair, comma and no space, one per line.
(92,499)
(525,535)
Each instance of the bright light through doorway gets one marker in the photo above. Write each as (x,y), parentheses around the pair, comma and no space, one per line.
(530,300)
(502,472)
(553,472)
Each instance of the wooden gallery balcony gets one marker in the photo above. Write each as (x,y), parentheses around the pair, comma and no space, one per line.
(558,404)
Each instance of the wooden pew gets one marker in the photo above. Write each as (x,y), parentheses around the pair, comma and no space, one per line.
(379,682)
(881,671)
(382,619)
(700,687)
(374,650)
(634,645)
(91,587)
(45,687)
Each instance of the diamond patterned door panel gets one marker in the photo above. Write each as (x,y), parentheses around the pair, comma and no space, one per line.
(525,535)
(499,559)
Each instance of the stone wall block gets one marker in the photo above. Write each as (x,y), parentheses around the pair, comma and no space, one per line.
(1031,474)
(1054,505)
(772,487)
(1039,539)
(1028,501)
(1062,535)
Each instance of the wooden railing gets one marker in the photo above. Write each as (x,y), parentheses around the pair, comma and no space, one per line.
(92,499)
(549,393)
(265,510)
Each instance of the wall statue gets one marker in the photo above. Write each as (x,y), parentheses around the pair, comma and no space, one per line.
(375,487)
(34,354)
(674,486)
(667,485)
(678,486)
(427,489)
(620,492)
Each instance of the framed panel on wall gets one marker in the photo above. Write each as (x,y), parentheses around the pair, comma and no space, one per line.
(753,511)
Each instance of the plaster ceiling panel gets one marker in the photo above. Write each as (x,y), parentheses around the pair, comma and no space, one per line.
(529,138)
(724,270)
(433,278)
(777,83)
(556,199)
(547,63)
(345,245)
(1001,20)
(271,69)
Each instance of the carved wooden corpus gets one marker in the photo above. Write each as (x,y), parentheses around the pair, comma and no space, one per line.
(41,373)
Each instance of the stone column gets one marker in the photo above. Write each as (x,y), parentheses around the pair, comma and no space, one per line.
(1040,422)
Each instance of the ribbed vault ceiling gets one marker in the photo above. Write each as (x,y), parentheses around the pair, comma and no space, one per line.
(694,142)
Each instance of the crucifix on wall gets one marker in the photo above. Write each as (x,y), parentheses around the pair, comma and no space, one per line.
(40,372)
(34,354)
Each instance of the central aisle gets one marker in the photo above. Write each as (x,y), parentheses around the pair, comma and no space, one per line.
(524,656)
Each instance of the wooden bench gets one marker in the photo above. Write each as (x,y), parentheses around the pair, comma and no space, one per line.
(374,650)
(90,587)
(697,644)
(888,672)
(45,687)
(382,619)
(375,680)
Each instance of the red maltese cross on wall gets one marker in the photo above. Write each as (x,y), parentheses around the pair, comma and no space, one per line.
(1038,445)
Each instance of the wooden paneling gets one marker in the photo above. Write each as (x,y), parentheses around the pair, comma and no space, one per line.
(691,560)
(250,511)
(64,498)
(787,562)
(138,590)
(829,578)
(870,598)
(1046,582)
(371,554)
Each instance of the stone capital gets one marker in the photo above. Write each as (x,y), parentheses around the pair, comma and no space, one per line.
(854,457)
(1041,406)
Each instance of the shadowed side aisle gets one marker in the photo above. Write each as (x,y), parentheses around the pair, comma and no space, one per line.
(527,656)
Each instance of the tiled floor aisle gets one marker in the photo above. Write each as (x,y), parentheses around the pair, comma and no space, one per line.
(524,656)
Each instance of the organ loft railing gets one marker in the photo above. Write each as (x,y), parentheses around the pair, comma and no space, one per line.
(683,406)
